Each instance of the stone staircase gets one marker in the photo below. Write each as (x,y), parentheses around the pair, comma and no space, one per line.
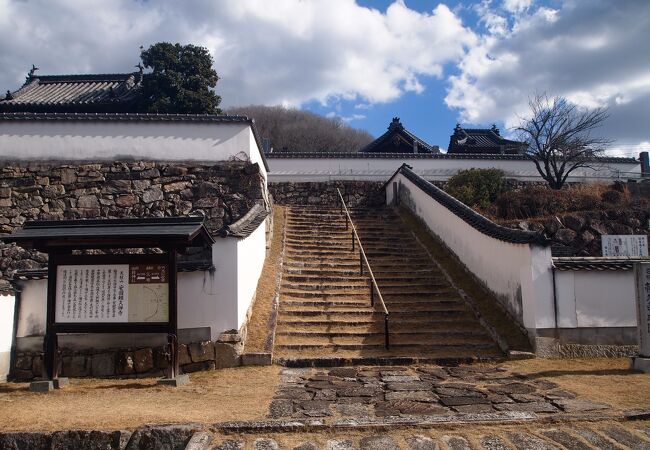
(325,317)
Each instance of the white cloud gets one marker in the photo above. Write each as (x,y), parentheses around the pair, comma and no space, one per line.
(594,52)
(281,52)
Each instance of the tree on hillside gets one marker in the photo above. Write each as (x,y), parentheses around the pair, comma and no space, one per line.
(293,130)
(181,80)
(559,137)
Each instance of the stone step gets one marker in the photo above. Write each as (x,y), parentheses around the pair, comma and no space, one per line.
(337,326)
(334,311)
(419,336)
(383,357)
(390,287)
(378,343)
(332,294)
(354,276)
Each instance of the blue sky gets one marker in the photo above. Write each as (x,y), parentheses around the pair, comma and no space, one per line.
(431,63)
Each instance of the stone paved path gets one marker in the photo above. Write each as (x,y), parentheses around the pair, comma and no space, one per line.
(592,436)
(384,392)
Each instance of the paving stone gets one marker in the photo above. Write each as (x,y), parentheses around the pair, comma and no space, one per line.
(545,384)
(399,378)
(454,392)
(352,400)
(493,443)
(353,410)
(356,392)
(306,446)
(290,379)
(624,437)
(378,443)
(314,408)
(409,386)
(596,439)
(280,408)
(434,372)
(230,445)
(319,385)
(344,372)
(536,407)
(512,388)
(456,443)
(529,442)
(294,394)
(300,372)
(527,398)
(564,438)
(557,394)
(473,409)
(199,441)
(455,401)
(644,430)
(339,444)
(325,394)
(499,398)
(411,408)
(419,396)
(421,443)
(578,405)
(265,444)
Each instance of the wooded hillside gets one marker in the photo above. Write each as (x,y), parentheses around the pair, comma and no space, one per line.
(293,130)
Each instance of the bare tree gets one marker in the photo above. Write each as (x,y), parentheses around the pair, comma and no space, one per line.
(559,137)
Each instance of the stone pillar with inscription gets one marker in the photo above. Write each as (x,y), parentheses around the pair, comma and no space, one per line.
(642,275)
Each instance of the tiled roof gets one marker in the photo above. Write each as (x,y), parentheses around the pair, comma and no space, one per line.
(247,223)
(360,155)
(477,221)
(74,93)
(596,263)
(481,140)
(137,117)
(397,130)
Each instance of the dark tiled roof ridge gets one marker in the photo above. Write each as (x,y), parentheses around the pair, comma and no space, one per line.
(384,136)
(471,217)
(247,223)
(597,263)
(82,77)
(352,155)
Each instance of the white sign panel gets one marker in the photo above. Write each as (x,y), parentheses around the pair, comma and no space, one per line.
(643,306)
(92,293)
(112,293)
(625,245)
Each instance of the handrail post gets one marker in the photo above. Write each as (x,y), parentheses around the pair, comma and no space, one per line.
(386,331)
(360,262)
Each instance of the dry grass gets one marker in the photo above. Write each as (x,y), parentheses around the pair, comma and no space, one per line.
(266,287)
(607,380)
(242,393)
(486,303)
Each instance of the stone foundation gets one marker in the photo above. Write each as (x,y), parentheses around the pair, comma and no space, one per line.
(355,193)
(133,362)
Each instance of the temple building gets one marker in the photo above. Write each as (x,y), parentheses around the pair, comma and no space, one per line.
(399,140)
(93,93)
(483,141)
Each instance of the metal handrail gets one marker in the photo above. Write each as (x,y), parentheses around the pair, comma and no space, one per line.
(363,258)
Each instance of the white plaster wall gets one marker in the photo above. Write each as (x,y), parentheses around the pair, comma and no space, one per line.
(518,273)
(251,253)
(33,309)
(7,304)
(592,299)
(381,169)
(87,140)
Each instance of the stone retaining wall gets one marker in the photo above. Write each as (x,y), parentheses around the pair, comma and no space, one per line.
(59,190)
(355,193)
(130,362)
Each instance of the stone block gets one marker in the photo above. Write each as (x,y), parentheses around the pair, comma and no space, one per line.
(226,355)
(183,355)
(41,386)
(169,437)
(199,441)
(180,380)
(143,360)
(125,365)
(152,194)
(198,366)
(61,383)
(102,365)
(26,441)
(88,202)
(75,366)
(256,359)
(160,358)
(202,351)
(90,439)
(126,200)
